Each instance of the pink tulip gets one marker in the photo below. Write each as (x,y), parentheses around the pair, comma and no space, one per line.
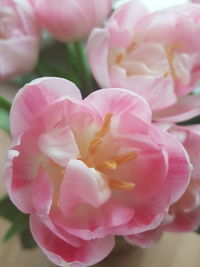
(183,215)
(89,169)
(19,38)
(156,55)
(71,20)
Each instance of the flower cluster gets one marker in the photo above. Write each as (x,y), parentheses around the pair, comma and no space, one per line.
(118,162)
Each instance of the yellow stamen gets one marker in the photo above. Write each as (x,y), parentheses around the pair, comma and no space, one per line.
(121,159)
(116,160)
(111,164)
(94,145)
(105,127)
(131,47)
(119,58)
(166,74)
(171,51)
(99,134)
(117,184)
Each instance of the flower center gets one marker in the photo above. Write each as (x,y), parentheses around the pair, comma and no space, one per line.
(171,53)
(138,65)
(102,165)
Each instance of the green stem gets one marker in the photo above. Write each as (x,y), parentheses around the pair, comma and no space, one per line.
(4,103)
(72,64)
(5,106)
(84,70)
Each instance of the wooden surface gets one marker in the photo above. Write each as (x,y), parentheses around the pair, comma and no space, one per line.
(173,250)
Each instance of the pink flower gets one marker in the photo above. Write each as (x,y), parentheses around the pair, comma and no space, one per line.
(71,20)
(195,1)
(184,214)
(89,169)
(153,54)
(19,38)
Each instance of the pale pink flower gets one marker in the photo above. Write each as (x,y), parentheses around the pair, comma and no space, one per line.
(195,1)
(183,215)
(156,55)
(89,169)
(71,20)
(19,38)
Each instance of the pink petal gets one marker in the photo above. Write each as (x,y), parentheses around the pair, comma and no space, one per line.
(185,221)
(61,252)
(186,108)
(59,145)
(150,212)
(87,184)
(42,192)
(179,173)
(97,51)
(89,222)
(146,239)
(123,23)
(22,168)
(157,91)
(18,56)
(34,97)
(118,101)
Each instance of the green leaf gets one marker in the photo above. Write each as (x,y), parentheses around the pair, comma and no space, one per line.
(84,69)
(5,103)
(19,224)
(5,106)
(194,120)
(7,209)
(27,240)
(20,81)
(71,57)
(44,69)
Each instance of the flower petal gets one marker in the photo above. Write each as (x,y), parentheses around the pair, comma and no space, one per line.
(97,50)
(59,145)
(34,97)
(87,184)
(61,252)
(118,101)
(186,108)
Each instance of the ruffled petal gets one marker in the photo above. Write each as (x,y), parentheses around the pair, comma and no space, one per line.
(34,97)
(60,252)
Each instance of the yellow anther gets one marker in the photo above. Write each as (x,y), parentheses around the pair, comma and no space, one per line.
(98,139)
(166,74)
(117,184)
(111,164)
(121,159)
(105,127)
(171,51)
(131,47)
(119,58)
(94,145)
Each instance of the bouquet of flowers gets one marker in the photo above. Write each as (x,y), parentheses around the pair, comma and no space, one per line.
(105,128)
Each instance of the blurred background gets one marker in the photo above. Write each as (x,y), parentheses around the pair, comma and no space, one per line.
(173,250)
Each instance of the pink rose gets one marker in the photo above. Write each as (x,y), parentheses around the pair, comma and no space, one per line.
(19,38)
(156,55)
(184,214)
(71,20)
(89,169)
